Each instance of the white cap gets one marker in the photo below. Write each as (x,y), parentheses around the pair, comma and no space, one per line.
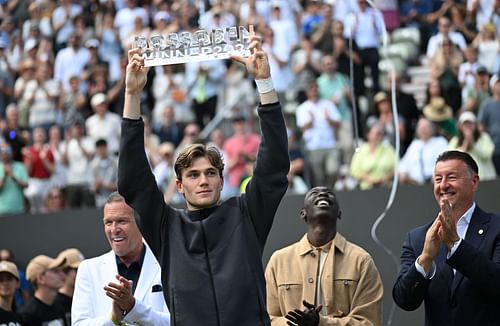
(97,99)
(92,43)
(162,15)
(30,43)
(467,116)
(493,81)
(275,4)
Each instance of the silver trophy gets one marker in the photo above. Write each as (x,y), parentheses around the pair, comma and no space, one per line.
(141,42)
(201,45)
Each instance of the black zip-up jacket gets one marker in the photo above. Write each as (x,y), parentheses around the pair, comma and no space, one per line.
(211,259)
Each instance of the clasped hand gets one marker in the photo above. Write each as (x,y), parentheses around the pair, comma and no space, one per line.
(122,296)
(443,230)
(307,317)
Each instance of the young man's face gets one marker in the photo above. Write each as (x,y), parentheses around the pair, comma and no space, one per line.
(320,205)
(201,184)
(102,151)
(52,278)
(8,285)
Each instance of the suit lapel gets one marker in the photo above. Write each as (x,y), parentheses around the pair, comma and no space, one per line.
(108,268)
(105,274)
(442,268)
(476,232)
(148,274)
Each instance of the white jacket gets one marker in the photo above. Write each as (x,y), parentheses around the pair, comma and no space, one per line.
(91,306)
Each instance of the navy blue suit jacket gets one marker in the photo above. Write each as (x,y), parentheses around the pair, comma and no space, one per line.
(472,295)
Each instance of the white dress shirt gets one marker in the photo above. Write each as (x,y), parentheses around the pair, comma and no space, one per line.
(435,42)
(420,157)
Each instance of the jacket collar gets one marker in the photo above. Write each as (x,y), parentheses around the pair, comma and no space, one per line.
(149,272)
(304,247)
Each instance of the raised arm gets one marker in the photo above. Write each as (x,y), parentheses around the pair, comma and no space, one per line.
(135,80)
(136,182)
(269,181)
(257,65)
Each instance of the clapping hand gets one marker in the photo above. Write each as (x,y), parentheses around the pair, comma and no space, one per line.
(306,317)
(448,232)
(8,170)
(431,245)
(121,293)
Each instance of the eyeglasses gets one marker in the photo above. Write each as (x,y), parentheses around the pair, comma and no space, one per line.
(55,271)
(66,270)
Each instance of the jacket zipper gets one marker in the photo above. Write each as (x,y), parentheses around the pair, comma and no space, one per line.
(210,274)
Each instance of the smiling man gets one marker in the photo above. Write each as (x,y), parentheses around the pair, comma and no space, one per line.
(452,264)
(323,279)
(210,252)
(122,286)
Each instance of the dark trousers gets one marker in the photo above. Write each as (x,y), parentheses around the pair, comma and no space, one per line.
(79,196)
(204,112)
(370,58)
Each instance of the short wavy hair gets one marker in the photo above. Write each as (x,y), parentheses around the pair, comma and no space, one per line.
(188,155)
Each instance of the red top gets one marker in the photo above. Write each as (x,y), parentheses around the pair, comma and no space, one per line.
(38,170)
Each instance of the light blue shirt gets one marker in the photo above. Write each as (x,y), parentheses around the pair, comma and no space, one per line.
(367,27)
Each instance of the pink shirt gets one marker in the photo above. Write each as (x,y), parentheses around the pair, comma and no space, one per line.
(240,146)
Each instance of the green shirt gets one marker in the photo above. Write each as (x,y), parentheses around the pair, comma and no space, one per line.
(377,165)
(11,195)
(334,88)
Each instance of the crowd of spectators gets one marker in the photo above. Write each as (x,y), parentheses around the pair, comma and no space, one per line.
(44,294)
(62,82)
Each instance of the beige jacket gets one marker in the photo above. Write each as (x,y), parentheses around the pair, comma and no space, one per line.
(350,283)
